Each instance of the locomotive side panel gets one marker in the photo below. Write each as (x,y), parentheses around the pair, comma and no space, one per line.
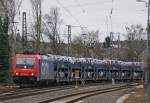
(46,69)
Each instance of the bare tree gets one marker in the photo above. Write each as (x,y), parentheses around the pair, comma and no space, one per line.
(87,44)
(8,11)
(36,27)
(135,40)
(135,32)
(52,23)
(88,39)
(9,8)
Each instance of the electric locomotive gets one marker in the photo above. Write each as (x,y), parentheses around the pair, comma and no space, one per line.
(25,68)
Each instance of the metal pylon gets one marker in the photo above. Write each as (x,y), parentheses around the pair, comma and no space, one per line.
(24,32)
(69,40)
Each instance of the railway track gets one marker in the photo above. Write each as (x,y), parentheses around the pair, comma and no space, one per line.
(19,90)
(72,98)
(23,92)
(29,92)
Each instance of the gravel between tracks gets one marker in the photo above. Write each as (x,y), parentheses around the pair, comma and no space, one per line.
(139,95)
(111,97)
(50,95)
(7,88)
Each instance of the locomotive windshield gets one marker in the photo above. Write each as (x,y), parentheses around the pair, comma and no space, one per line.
(25,63)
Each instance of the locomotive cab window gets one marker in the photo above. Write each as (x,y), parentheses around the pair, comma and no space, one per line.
(26,63)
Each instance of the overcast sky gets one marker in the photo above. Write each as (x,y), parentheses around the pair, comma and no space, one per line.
(95,14)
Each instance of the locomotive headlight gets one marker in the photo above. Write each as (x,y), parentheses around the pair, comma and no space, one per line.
(25,67)
(16,73)
(32,74)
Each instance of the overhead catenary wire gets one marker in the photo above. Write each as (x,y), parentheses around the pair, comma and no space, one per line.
(68,12)
(81,7)
(87,4)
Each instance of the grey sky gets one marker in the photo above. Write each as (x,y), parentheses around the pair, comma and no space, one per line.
(94,14)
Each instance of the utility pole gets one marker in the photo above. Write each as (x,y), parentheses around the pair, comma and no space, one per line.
(69,48)
(147,71)
(148,50)
(118,56)
(39,27)
(24,33)
(69,52)
(111,45)
(111,33)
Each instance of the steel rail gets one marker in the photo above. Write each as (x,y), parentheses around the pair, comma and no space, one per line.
(26,90)
(87,94)
(19,93)
(30,93)
(95,93)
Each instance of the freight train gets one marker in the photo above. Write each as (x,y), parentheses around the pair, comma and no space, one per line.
(35,69)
